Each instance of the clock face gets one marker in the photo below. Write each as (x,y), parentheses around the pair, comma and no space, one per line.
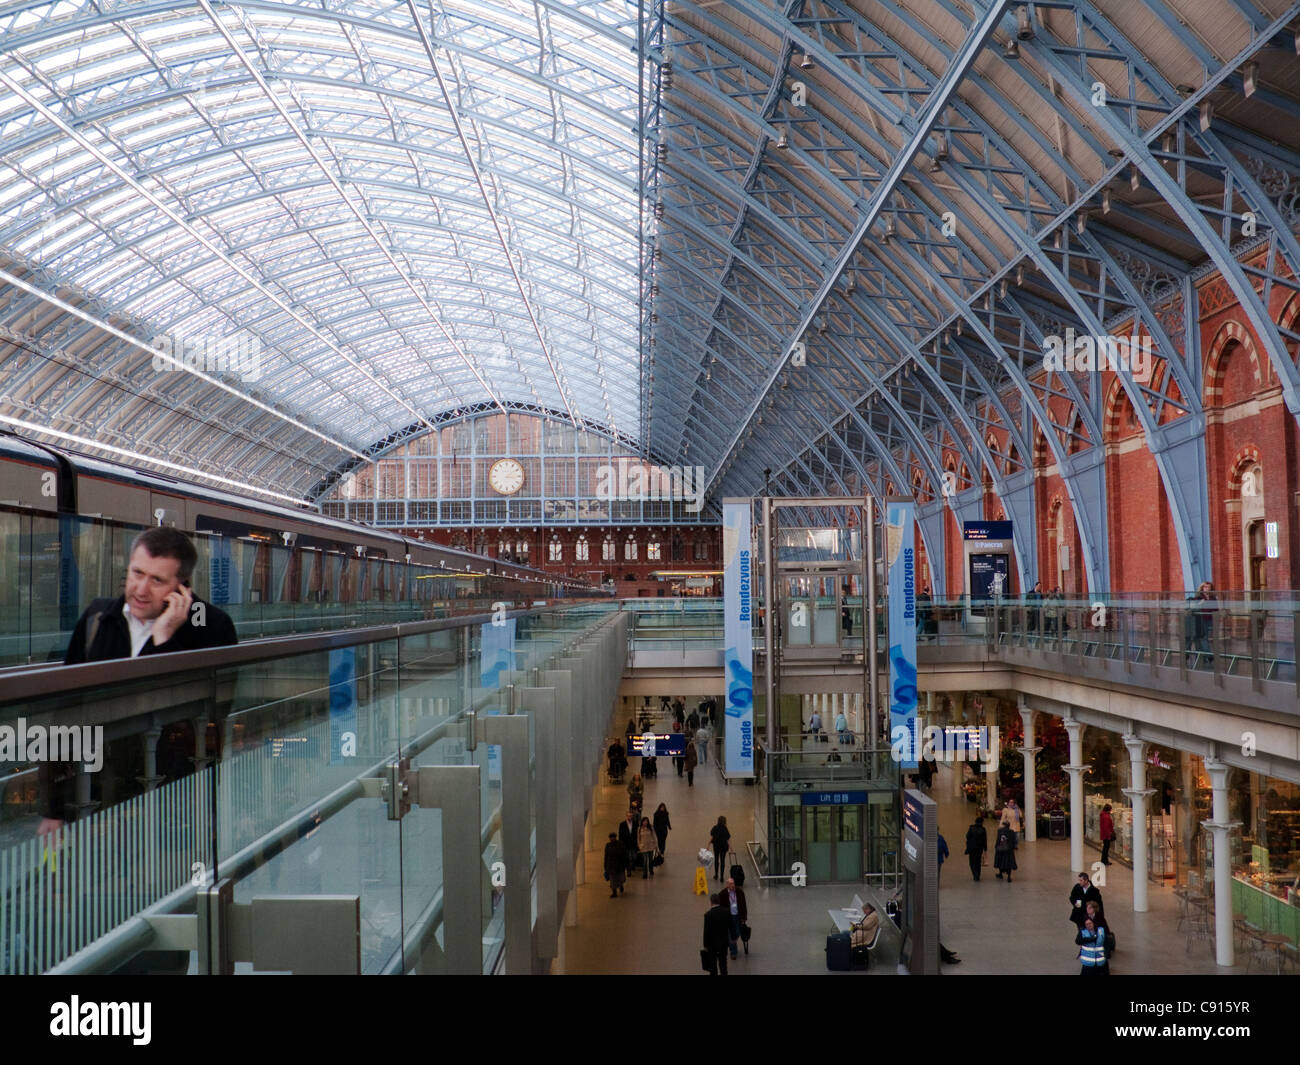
(506,476)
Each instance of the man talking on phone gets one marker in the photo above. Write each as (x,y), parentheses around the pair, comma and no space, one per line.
(159,614)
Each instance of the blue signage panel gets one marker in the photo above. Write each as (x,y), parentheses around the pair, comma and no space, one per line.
(496,651)
(667,745)
(913,814)
(986,530)
(833,798)
(990,576)
(900,558)
(738,634)
(343,705)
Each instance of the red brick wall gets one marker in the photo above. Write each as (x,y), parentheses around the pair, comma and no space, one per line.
(594,570)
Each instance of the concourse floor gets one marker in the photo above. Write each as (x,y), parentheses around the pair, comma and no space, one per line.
(995,927)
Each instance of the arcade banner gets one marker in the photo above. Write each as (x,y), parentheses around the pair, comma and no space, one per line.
(738,599)
(900,558)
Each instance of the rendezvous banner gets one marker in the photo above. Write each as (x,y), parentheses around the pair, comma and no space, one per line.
(738,600)
(900,557)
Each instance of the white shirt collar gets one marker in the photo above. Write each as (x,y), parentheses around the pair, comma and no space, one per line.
(140,630)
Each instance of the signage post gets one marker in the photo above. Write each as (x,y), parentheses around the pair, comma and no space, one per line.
(920,916)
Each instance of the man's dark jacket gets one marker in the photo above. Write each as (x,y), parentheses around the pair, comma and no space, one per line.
(717,928)
(627,835)
(113,635)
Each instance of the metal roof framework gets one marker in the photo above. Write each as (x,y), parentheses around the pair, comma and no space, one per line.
(824,238)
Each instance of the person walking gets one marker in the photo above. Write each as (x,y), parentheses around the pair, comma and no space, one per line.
(842,728)
(815,725)
(679,760)
(691,761)
(627,831)
(1081,894)
(1107,833)
(720,839)
(1033,606)
(717,935)
(615,865)
(702,737)
(636,792)
(649,759)
(645,843)
(737,913)
(1004,851)
(1091,941)
(662,826)
(942,847)
(977,842)
(1012,817)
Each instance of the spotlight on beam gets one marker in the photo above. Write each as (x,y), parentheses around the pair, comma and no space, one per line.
(1207,115)
(1011,50)
(1249,79)
(1024,25)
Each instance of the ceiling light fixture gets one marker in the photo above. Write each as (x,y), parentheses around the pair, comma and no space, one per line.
(806,62)
(940,152)
(1011,50)
(1024,25)
(1105,201)
(1249,79)
(1207,115)
(783,141)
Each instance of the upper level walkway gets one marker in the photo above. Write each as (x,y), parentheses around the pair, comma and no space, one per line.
(1192,674)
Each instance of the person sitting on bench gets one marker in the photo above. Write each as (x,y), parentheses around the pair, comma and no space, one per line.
(863,934)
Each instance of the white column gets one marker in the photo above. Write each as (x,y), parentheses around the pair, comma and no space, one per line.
(1137,793)
(1074,729)
(1028,752)
(1222,829)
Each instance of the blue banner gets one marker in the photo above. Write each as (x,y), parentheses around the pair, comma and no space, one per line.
(496,651)
(738,633)
(900,558)
(343,705)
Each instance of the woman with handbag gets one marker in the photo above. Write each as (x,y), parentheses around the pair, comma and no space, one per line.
(645,841)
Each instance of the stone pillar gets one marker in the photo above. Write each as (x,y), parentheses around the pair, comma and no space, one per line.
(1076,768)
(1029,751)
(1137,792)
(1222,829)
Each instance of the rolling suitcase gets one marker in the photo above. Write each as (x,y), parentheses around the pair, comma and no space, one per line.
(738,875)
(839,952)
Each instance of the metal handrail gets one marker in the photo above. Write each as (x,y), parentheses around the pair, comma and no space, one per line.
(136,933)
(33,682)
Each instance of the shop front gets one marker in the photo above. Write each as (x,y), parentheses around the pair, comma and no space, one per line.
(1264,852)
